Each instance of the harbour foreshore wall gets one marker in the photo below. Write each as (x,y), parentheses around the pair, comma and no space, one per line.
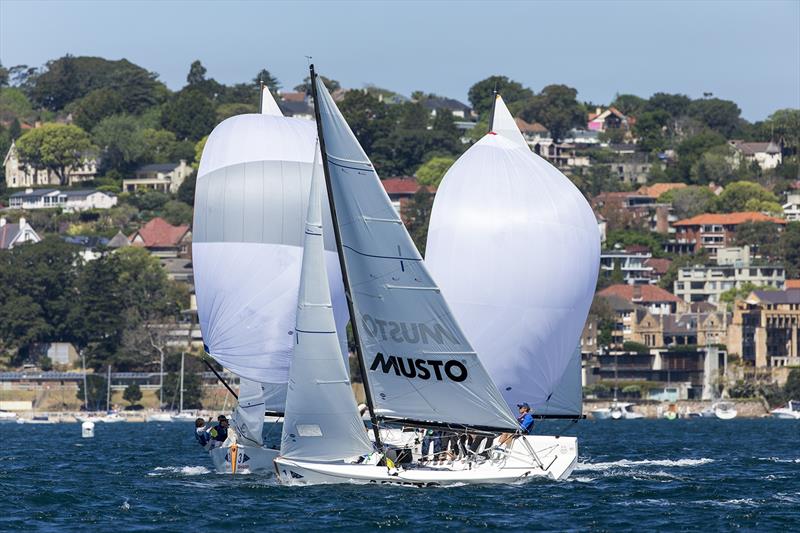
(750,408)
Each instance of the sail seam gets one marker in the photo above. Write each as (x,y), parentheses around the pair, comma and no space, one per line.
(381,256)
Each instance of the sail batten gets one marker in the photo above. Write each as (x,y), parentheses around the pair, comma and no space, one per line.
(397,308)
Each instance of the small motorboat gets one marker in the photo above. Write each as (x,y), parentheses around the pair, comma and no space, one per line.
(724,410)
(624,411)
(112,418)
(790,412)
(184,416)
(37,419)
(604,413)
(7,416)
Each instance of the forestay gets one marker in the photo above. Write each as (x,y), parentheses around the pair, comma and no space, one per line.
(420,366)
(515,248)
(321,421)
(250,204)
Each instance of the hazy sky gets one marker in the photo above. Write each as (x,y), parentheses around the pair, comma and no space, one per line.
(748,52)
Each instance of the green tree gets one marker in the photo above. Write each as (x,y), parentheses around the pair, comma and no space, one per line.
(792,387)
(189,114)
(54,147)
(785,124)
(132,394)
(650,129)
(95,106)
(330,84)
(14,104)
(433,170)
(177,213)
(720,115)
(716,165)
(264,76)
(481,94)
(790,249)
(225,111)
(676,105)
(629,104)
(186,190)
(197,73)
(417,215)
(121,141)
(96,384)
(368,117)
(690,201)
(762,237)
(557,108)
(160,146)
(735,196)
(4,77)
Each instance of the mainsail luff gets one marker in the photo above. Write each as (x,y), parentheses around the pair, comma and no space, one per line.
(442,381)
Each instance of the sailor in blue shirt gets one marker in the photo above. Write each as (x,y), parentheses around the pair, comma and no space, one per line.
(525,420)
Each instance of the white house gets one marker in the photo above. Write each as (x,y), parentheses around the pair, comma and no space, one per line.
(68,200)
(766,154)
(791,209)
(164,177)
(19,174)
(14,234)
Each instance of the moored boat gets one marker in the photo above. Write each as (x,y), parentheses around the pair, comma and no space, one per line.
(790,412)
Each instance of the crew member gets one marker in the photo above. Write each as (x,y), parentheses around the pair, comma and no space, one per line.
(201,433)
(219,432)
(525,420)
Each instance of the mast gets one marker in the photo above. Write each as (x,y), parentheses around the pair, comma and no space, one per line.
(85,387)
(161,384)
(182,356)
(260,96)
(108,389)
(342,266)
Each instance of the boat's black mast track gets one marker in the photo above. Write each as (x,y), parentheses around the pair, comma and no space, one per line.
(340,251)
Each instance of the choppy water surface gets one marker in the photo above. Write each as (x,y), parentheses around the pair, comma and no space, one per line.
(692,474)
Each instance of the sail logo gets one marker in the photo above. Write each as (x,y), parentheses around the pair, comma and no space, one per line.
(407,332)
(420,368)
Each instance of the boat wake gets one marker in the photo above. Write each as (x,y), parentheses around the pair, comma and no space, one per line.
(627,463)
(180,470)
(778,460)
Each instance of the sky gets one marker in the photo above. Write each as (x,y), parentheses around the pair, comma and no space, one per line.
(748,52)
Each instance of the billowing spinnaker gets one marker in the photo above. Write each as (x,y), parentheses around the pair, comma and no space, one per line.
(321,421)
(515,248)
(250,204)
(420,366)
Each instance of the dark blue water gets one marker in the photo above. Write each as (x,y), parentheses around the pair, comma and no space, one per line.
(692,474)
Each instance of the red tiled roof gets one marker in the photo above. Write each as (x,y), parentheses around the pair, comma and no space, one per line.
(403,185)
(159,233)
(729,219)
(660,266)
(792,284)
(657,189)
(529,127)
(649,293)
(293,96)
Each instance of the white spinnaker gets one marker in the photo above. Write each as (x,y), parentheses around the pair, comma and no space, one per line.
(321,420)
(248,417)
(419,364)
(250,204)
(515,249)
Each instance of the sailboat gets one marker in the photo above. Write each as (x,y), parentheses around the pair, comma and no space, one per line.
(181,415)
(418,367)
(250,204)
(515,248)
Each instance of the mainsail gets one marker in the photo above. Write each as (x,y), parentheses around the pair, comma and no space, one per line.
(321,420)
(419,365)
(516,250)
(250,204)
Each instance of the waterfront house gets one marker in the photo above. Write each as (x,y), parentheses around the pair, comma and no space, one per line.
(767,155)
(12,235)
(715,231)
(163,177)
(733,270)
(764,329)
(163,239)
(791,209)
(655,299)
(605,119)
(19,174)
(434,103)
(80,200)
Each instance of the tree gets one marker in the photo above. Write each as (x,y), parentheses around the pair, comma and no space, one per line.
(95,106)
(629,104)
(762,237)
(689,201)
(785,124)
(676,105)
(177,213)
(716,165)
(720,115)
(225,111)
(132,394)
(189,114)
(557,108)
(433,170)
(160,146)
(197,73)
(790,249)
(186,190)
(330,84)
(650,130)
(121,141)
(417,214)
(54,147)
(368,117)
(736,196)
(792,387)
(96,384)
(267,79)
(4,77)
(14,104)
(481,94)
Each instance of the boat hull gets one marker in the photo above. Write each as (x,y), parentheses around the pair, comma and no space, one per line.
(557,455)
(249,459)
(785,414)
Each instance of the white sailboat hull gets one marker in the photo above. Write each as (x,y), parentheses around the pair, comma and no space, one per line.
(557,455)
(785,414)
(249,459)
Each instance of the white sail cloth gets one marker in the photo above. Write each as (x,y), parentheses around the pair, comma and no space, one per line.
(248,417)
(321,420)
(420,366)
(515,249)
(250,203)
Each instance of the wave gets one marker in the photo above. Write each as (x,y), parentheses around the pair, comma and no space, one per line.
(627,463)
(778,460)
(181,470)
